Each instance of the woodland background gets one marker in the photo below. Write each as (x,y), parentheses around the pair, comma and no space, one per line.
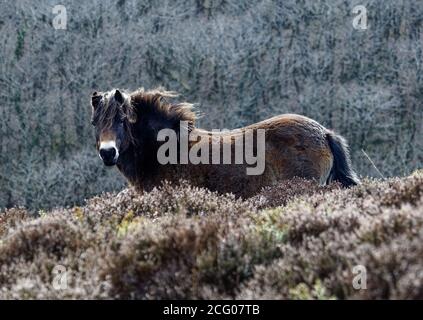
(240,61)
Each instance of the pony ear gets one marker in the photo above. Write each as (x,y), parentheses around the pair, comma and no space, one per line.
(124,99)
(132,117)
(131,114)
(95,99)
(119,96)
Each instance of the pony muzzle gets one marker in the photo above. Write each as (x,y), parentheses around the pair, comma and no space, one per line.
(109,153)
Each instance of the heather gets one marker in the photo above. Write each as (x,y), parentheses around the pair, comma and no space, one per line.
(295,240)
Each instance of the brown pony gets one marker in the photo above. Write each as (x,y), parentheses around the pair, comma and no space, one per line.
(127,127)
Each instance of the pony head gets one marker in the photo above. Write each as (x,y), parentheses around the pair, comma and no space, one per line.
(112,117)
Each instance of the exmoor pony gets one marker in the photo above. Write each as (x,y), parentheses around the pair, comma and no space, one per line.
(128,126)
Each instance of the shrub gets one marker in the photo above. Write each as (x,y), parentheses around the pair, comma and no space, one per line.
(186,242)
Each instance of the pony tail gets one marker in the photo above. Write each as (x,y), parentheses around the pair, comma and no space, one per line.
(341,169)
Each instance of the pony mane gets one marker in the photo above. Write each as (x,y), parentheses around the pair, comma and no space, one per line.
(155,101)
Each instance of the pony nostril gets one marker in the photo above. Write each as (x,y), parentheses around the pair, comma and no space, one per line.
(108,154)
